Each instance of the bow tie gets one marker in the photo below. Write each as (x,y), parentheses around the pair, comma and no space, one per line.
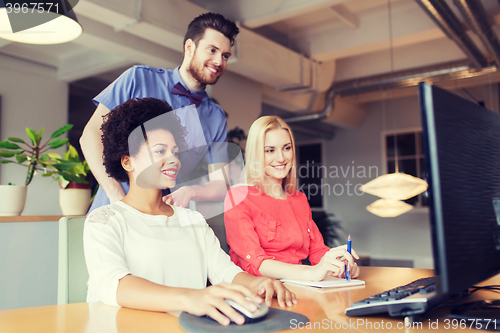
(179,89)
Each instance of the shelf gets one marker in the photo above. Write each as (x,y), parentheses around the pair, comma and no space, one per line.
(34,218)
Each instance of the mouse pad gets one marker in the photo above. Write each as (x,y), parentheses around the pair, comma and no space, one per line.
(275,320)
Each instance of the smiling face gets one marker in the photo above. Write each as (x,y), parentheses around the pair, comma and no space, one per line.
(156,165)
(210,57)
(278,155)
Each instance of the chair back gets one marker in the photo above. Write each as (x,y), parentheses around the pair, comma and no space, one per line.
(72,270)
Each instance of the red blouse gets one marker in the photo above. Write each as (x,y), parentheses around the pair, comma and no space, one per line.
(260,227)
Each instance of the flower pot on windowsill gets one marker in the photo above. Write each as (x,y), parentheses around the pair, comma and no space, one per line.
(75,198)
(32,154)
(13,198)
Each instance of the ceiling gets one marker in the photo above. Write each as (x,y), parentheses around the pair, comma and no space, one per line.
(338,40)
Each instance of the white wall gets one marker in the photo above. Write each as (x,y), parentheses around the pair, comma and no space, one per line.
(31,97)
(240,97)
(405,237)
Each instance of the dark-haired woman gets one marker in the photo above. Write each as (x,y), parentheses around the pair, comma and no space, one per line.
(145,254)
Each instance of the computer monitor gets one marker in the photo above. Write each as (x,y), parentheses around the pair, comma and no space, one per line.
(461,142)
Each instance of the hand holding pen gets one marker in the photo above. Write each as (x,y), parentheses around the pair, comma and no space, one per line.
(348,266)
(334,263)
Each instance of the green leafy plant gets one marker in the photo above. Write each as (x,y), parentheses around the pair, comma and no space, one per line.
(329,227)
(34,156)
(69,168)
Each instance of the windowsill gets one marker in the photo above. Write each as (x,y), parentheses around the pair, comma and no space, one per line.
(34,218)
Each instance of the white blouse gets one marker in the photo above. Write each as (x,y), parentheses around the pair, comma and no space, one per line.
(176,251)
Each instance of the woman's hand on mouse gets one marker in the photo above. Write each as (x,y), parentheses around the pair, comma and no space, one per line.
(209,301)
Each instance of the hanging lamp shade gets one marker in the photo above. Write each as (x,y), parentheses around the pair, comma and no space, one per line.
(388,207)
(396,186)
(38,25)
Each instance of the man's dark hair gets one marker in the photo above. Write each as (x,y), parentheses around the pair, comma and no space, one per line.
(197,27)
(121,123)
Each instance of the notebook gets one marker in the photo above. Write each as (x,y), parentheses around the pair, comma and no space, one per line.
(328,282)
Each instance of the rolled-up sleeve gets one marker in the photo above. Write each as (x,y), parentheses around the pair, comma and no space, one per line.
(105,260)
(246,250)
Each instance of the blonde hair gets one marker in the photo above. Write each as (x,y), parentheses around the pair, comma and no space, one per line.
(254,153)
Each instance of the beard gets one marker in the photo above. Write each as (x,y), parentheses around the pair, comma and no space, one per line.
(197,71)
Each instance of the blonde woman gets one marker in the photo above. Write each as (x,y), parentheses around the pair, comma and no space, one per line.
(270,229)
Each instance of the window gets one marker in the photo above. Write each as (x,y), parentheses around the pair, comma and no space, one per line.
(405,147)
(310,174)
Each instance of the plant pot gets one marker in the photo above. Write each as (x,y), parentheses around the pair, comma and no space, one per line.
(74,201)
(12,199)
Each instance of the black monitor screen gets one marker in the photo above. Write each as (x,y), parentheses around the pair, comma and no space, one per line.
(462,148)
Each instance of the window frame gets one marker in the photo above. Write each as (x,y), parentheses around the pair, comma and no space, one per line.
(322,144)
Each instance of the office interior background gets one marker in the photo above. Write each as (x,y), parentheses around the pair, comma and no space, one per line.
(289,59)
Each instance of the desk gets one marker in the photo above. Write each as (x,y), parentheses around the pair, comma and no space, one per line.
(322,308)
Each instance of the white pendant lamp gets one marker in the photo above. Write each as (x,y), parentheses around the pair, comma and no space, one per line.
(395,186)
(37,25)
(388,207)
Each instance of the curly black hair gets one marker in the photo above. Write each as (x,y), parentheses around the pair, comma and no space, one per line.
(125,121)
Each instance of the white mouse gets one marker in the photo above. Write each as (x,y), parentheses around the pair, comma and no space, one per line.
(259,314)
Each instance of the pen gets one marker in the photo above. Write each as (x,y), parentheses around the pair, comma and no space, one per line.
(348,272)
(347,266)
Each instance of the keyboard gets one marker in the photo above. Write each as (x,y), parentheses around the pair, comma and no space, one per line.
(413,298)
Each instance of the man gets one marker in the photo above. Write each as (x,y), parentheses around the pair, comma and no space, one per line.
(207,48)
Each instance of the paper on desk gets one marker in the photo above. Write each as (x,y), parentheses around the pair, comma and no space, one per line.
(328,282)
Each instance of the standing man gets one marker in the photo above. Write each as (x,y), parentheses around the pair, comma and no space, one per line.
(207,48)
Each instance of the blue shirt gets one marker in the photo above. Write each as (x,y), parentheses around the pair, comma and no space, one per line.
(146,81)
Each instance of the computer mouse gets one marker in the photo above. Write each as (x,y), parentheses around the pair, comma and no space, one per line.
(250,317)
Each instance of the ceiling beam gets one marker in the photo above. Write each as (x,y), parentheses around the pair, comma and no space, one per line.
(136,50)
(4,42)
(346,16)
(411,56)
(89,63)
(29,53)
(163,22)
(410,25)
(257,13)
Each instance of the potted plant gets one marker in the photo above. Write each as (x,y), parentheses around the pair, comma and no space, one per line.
(329,227)
(70,172)
(33,156)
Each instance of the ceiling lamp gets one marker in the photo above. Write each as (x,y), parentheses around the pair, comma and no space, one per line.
(395,186)
(388,208)
(26,23)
